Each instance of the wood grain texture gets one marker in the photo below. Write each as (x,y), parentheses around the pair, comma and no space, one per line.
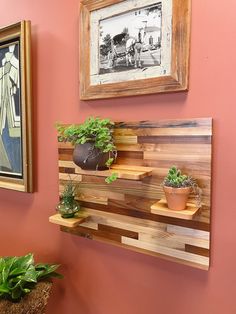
(122,171)
(120,213)
(68,222)
(176,81)
(161,208)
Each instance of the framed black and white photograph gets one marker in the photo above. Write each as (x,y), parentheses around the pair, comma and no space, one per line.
(133,47)
(132,41)
(15,108)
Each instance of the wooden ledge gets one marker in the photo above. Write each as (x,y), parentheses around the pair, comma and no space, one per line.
(127,172)
(67,222)
(161,208)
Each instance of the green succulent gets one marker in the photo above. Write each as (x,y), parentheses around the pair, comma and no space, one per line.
(176,179)
(19,275)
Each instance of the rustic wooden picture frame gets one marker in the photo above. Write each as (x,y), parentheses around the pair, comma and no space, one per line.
(16,127)
(176,80)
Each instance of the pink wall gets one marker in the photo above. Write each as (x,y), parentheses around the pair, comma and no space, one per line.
(101,279)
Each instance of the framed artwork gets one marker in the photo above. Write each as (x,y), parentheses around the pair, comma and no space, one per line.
(133,47)
(15,108)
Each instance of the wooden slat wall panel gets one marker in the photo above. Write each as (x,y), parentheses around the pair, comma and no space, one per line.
(120,213)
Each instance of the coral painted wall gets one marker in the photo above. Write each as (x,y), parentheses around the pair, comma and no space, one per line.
(102,279)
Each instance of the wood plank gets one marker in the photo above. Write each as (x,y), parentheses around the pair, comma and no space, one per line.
(66,177)
(188,232)
(161,208)
(183,148)
(68,222)
(197,250)
(67,170)
(177,157)
(125,139)
(179,139)
(66,164)
(115,230)
(172,238)
(166,123)
(178,131)
(132,168)
(195,258)
(98,233)
(126,172)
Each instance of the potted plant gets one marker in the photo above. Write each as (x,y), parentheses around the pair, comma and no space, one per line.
(25,286)
(68,206)
(93,140)
(177,188)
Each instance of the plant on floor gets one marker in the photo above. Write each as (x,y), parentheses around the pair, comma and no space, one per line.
(19,275)
(68,206)
(178,186)
(94,144)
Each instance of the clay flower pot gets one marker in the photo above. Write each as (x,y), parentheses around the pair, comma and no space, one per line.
(176,197)
(87,157)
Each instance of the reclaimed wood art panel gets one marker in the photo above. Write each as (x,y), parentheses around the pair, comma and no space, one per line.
(120,213)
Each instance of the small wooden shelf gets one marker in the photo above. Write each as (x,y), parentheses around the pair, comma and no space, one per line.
(68,222)
(160,208)
(127,172)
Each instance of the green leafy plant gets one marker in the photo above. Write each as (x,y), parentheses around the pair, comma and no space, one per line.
(96,131)
(111,178)
(19,275)
(176,179)
(68,206)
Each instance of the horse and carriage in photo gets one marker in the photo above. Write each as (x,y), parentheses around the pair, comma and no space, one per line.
(128,52)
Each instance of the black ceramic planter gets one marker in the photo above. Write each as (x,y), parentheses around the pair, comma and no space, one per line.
(87,157)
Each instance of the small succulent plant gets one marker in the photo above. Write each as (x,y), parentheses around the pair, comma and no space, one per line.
(176,179)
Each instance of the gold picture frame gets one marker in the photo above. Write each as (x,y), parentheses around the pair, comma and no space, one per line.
(15,108)
(165,64)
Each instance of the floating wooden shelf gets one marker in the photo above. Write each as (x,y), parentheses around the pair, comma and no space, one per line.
(123,171)
(161,208)
(68,222)
(120,213)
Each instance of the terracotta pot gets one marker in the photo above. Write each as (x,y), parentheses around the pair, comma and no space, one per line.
(89,158)
(176,197)
(33,303)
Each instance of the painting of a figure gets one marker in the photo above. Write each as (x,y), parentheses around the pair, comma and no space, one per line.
(10,111)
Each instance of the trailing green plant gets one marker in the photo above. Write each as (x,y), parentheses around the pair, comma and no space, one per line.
(96,131)
(176,179)
(19,275)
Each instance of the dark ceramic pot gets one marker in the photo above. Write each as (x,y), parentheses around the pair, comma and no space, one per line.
(89,158)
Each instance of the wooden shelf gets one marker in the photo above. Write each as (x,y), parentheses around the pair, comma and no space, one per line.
(68,222)
(127,172)
(160,208)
